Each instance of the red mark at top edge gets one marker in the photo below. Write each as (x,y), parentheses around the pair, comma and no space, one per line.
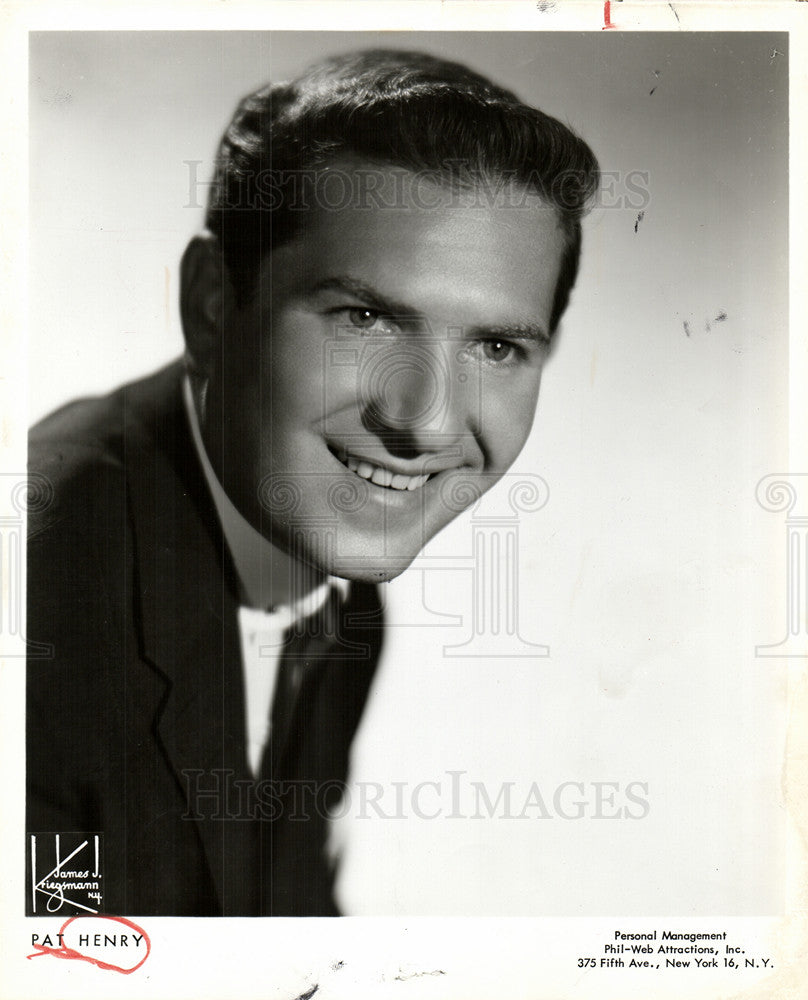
(607,16)
(71,953)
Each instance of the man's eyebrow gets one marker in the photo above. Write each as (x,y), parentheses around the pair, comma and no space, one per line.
(513,331)
(375,300)
(370,296)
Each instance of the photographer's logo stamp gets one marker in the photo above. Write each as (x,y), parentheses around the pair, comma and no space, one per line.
(65,873)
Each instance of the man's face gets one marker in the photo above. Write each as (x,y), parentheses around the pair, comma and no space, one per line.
(385,374)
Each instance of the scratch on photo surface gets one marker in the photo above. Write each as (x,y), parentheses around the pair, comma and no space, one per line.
(402,977)
(686,325)
(60,96)
(640,215)
(308,993)
(674,13)
(718,319)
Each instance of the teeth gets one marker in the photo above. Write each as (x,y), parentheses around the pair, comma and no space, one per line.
(416,482)
(384,477)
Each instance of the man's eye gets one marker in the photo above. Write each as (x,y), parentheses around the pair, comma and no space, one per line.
(363,318)
(498,350)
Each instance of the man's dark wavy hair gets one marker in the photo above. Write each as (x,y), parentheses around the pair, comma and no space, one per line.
(392,108)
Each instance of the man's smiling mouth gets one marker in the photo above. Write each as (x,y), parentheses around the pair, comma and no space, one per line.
(380,476)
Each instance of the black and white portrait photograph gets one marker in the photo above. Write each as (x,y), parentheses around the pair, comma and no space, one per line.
(404,506)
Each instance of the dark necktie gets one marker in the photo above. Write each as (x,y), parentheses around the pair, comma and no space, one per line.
(326,668)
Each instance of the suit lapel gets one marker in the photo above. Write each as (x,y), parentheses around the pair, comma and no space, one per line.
(188,607)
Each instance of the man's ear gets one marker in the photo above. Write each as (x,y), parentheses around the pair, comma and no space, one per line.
(205,298)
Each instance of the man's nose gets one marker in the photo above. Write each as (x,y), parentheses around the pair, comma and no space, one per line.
(418,394)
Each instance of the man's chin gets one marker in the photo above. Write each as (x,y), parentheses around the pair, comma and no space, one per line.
(365,557)
(376,572)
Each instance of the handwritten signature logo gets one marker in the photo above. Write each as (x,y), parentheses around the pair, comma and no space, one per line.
(72,879)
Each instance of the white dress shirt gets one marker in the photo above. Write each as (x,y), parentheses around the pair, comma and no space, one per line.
(262,631)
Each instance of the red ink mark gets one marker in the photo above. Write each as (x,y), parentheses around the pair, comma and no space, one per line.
(71,953)
(607,15)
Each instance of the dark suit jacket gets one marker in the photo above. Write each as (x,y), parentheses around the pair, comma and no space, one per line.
(140,710)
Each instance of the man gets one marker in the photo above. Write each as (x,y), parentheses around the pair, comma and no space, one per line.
(391,242)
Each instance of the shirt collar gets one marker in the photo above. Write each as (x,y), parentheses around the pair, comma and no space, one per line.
(251,552)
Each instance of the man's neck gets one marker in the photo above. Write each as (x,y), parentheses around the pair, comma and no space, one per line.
(284,580)
(268,577)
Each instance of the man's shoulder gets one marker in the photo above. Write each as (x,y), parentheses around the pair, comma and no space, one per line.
(80,455)
(100,425)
